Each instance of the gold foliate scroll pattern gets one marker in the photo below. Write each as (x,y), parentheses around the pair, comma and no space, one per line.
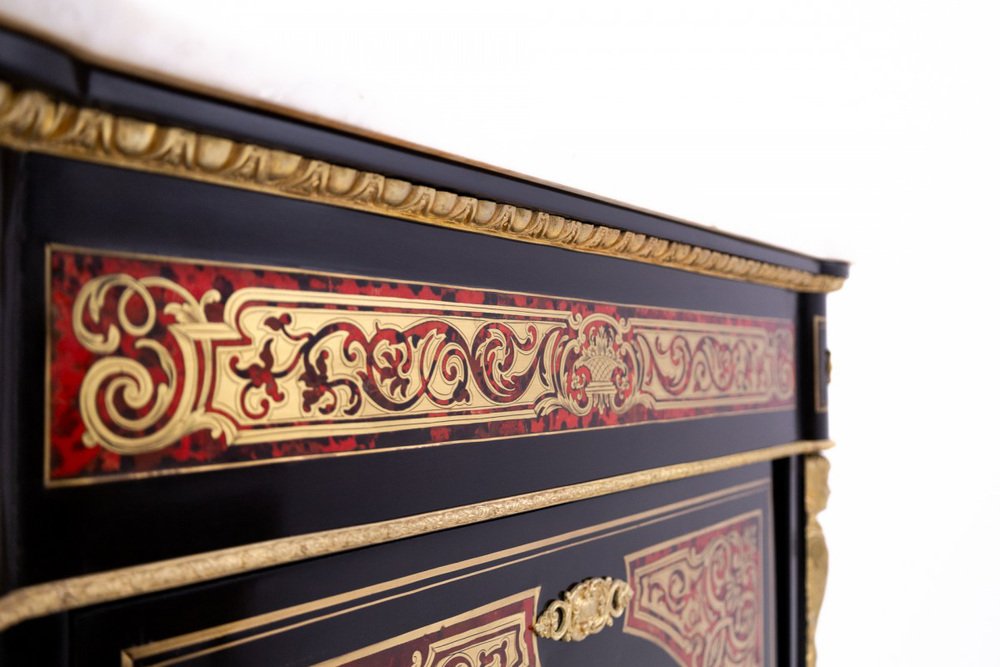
(584,610)
(274,365)
(31,120)
(127,406)
(495,635)
(498,643)
(817,491)
(714,365)
(700,597)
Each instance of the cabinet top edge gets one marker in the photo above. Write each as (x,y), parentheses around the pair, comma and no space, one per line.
(31,59)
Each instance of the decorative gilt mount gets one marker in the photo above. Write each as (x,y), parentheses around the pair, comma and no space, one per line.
(817,491)
(585,609)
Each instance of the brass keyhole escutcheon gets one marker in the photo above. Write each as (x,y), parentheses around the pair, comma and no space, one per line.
(584,610)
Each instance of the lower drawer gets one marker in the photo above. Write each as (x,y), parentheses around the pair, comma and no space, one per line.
(679,573)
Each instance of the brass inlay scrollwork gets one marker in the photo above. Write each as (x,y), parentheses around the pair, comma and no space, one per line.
(817,491)
(495,635)
(700,596)
(584,610)
(33,121)
(162,420)
(287,364)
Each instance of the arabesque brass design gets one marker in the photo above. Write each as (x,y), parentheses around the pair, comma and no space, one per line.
(290,364)
(817,491)
(42,599)
(33,121)
(700,597)
(494,635)
(501,642)
(584,610)
(121,375)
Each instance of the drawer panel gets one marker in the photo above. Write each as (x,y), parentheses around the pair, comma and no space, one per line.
(553,368)
(697,556)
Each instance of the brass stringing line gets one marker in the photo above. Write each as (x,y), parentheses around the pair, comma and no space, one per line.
(168,472)
(33,121)
(76,592)
(183,641)
(603,530)
(371,649)
(257,266)
(176,407)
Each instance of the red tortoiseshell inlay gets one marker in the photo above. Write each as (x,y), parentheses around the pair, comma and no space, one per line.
(700,597)
(498,634)
(162,365)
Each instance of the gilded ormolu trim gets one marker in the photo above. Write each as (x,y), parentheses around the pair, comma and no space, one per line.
(33,121)
(51,597)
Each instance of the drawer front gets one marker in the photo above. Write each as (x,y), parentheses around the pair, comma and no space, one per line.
(200,387)
(680,573)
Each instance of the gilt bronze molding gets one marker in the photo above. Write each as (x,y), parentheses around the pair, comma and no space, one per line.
(34,121)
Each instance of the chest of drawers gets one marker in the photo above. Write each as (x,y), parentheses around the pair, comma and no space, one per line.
(279,394)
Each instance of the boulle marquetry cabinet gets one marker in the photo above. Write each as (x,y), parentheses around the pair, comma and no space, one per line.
(279,394)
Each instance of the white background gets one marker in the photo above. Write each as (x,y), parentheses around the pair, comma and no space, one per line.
(866,131)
